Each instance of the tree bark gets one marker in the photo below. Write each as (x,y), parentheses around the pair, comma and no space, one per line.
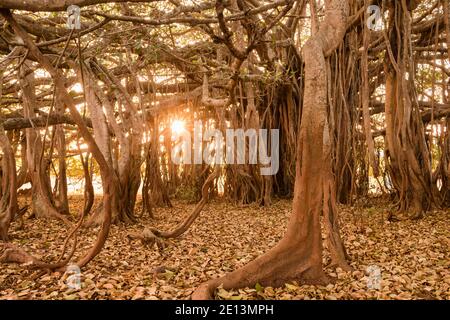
(61,199)
(37,163)
(103,165)
(407,153)
(365,98)
(54,5)
(8,201)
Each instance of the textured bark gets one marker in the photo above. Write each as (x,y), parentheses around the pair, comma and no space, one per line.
(99,125)
(365,99)
(299,254)
(23,175)
(89,194)
(330,212)
(406,149)
(103,140)
(42,202)
(443,171)
(53,5)
(127,177)
(8,201)
(105,172)
(39,122)
(447,26)
(157,193)
(252,186)
(61,199)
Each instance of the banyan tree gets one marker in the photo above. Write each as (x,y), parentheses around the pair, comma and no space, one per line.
(358,91)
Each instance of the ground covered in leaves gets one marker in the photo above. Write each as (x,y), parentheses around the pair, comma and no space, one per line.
(390,260)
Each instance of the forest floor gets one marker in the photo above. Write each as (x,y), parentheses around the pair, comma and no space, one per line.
(390,260)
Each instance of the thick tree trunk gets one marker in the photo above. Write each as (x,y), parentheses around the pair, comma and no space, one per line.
(406,150)
(147,207)
(127,177)
(14,255)
(365,96)
(444,168)
(23,175)
(129,171)
(89,194)
(42,203)
(330,213)
(158,194)
(298,256)
(253,186)
(61,199)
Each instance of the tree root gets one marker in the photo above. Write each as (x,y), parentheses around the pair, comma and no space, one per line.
(148,239)
(298,256)
(279,265)
(184,226)
(14,254)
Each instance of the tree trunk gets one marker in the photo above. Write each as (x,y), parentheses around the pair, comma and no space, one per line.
(8,201)
(61,201)
(158,193)
(406,150)
(23,175)
(105,171)
(42,203)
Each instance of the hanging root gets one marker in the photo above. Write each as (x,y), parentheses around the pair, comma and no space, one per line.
(298,256)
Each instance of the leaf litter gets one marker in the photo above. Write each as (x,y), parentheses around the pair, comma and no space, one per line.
(411,257)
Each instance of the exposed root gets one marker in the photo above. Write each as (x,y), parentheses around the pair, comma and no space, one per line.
(298,256)
(184,226)
(14,254)
(148,239)
(278,266)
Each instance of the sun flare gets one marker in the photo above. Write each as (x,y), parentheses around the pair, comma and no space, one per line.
(178,126)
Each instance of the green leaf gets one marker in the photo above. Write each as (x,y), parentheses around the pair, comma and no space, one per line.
(259,287)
